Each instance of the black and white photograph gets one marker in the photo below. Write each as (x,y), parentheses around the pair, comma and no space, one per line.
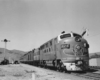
(49,39)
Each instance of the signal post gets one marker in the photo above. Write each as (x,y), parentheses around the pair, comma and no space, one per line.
(5,41)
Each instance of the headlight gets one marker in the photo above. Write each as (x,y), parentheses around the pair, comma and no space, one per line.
(78,62)
(86,45)
(77,39)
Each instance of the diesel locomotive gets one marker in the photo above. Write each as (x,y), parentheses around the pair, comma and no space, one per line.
(67,51)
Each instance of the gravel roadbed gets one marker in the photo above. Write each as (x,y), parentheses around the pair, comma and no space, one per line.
(28,72)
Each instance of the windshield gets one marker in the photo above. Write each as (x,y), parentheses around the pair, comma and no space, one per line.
(65,36)
(76,35)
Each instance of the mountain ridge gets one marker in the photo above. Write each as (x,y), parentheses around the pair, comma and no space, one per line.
(11,55)
(94,55)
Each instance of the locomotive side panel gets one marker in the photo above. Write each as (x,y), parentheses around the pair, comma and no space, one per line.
(41,53)
(51,53)
(58,51)
(24,58)
(48,52)
(30,57)
(36,55)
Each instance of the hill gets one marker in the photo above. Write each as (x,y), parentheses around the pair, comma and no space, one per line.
(94,55)
(11,55)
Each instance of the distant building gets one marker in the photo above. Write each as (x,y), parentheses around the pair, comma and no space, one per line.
(94,62)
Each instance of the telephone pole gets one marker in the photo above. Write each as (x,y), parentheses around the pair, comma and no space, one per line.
(5,41)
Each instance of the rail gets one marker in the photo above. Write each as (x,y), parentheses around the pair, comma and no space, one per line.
(94,67)
(93,76)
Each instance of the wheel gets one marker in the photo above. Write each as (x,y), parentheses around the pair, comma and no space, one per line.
(58,67)
(44,64)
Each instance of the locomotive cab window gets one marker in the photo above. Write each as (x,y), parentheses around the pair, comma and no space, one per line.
(76,35)
(65,36)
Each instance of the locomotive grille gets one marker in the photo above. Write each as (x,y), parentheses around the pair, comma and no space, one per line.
(78,50)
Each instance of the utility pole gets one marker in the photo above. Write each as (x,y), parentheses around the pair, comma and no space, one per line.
(5,41)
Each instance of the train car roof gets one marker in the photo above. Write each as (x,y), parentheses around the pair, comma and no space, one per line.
(71,33)
(58,37)
(36,50)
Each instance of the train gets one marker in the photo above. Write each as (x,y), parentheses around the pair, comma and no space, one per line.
(66,52)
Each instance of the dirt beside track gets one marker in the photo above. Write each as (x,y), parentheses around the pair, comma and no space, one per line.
(13,72)
(27,72)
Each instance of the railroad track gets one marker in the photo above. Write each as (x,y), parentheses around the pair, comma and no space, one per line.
(94,67)
(93,76)
(88,75)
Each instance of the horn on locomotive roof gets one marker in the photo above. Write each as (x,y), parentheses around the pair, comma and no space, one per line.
(85,32)
(62,32)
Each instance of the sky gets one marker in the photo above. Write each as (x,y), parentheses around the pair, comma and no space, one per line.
(30,23)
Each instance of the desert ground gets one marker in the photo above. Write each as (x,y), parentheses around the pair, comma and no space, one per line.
(29,72)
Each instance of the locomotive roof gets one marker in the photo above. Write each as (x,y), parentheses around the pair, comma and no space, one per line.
(71,33)
(36,50)
(58,37)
